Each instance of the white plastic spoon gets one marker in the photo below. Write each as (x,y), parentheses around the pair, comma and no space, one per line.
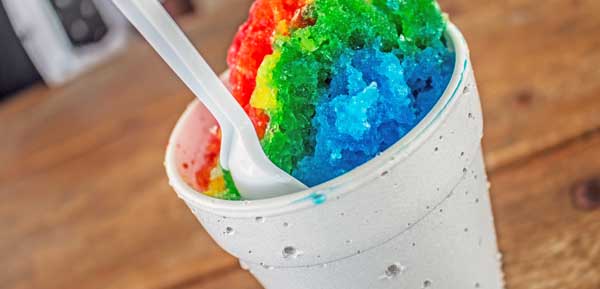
(255,176)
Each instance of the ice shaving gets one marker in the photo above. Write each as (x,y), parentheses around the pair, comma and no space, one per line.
(330,84)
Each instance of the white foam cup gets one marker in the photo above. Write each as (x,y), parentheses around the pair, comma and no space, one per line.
(416,216)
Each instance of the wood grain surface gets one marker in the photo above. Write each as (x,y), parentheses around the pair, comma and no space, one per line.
(84,201)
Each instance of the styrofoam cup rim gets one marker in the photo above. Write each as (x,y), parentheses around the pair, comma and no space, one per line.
(340,185)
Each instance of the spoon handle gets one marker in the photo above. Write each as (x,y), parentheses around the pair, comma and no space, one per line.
(165,36)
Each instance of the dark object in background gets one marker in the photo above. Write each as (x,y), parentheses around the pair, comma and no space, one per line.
(586,194)
(179,7)
(16,70)
(81,21)
(56,40)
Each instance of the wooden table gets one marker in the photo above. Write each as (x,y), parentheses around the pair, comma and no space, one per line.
(84,201)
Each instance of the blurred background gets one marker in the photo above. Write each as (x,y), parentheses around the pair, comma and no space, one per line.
(86,108)
(53,41)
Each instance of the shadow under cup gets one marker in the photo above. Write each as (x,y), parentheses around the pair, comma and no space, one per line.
(416,216)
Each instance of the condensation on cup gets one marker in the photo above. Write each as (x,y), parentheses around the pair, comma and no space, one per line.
(417,216)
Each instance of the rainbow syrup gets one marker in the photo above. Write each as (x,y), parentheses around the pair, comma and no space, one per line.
(329,84)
